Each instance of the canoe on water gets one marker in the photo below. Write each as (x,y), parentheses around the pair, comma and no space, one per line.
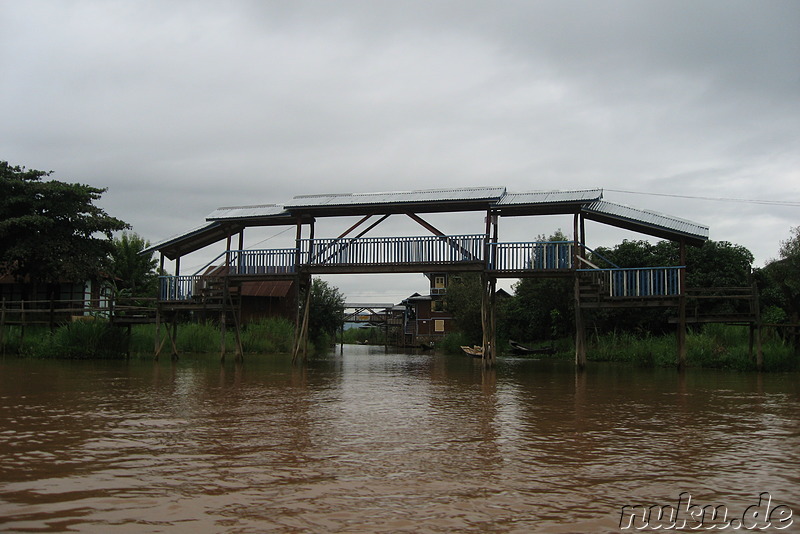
(474,351)
(519,348)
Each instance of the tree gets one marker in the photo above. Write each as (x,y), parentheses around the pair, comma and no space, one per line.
(784,276)
(463,300)
(135,273)
(326,313)
(51,230)
(542,308)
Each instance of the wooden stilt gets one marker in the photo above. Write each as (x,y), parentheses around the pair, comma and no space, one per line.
(757,313)
(158,341)
(301,336)
(492,319)
(682,309)
(173,336)
(237,333)
(223,319)
(3,327)
(580,329)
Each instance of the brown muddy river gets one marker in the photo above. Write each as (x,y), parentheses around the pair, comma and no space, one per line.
(367,441)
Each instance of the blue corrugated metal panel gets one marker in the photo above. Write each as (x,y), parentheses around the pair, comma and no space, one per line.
(648,218)
(550,197)
(491,194)
(247,212)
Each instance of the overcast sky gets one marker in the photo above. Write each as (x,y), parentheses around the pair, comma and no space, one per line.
(182,107)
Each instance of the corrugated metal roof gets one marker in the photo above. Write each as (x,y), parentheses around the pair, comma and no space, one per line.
(398,197)
(247,212)
(276,288)
(189,241)
(646,218)
(550,197)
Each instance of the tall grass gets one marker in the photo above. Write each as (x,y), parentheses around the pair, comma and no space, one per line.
(714,346)
(271,335)
(79,340)
(451,343)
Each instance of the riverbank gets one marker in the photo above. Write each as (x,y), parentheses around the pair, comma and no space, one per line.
(713,346)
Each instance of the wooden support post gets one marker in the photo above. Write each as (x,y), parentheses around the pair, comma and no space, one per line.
(158,341)
(173,336)
(757,312)
(488,318)
(222,321)
(580,328)
(22,324)
(484,318)
(3,327)
(301,334)
(237,325)
(682,309)
(492,319)
(307,318)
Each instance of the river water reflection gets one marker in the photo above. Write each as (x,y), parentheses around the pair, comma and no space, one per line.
(365,441)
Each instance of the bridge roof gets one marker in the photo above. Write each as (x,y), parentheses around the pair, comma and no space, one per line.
(546,202)
(429,200)
(195,239)
(266,214)
(646,222)
(225,221)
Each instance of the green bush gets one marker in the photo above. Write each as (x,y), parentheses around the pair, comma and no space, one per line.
(79,340)
(372,335)
(451,343)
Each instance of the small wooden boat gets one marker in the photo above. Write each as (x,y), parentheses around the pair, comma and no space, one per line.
(475,351)
(519,348)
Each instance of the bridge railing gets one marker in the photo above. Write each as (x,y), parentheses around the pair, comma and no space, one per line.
(392,250)
(531,256)
(263,261)
(639,282)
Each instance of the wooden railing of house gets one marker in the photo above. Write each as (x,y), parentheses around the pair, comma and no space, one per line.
(54,312)
(637,282)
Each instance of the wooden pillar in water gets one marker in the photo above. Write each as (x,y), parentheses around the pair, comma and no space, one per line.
(580,328)
(223,315)
(157,343)
(755,329)
(301,334)
(173,336)
(488,286)
(297,280)
(682,308)
(487,318)
(3,327)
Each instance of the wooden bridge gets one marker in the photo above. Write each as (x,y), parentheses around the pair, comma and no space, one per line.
(354,253)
